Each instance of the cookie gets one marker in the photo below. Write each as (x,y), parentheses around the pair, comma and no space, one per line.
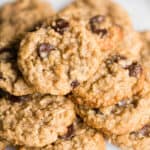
(117,78)
(137,140)
(79,137)
(19,17)
(58,58)
(130,45)
(36,120)
(126,116)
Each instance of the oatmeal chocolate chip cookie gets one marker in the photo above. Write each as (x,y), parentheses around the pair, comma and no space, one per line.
(19,17)
(11,79)
(116,78)
(36,120)
(137,140)
(121,118)
(130,45)
(78,137)
(58,58)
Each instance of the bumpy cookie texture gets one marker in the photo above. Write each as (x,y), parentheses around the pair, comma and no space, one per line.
(130,45)
(57,59)
(11,79)
(79,137)
(116,78)
(36,120)
(137,140)
(126,116)
(100,22)
(15,20)
(19,17)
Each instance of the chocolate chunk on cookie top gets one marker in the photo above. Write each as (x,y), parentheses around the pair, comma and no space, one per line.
(35,121)
(58,58)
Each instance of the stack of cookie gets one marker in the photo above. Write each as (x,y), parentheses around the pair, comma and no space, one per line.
(67,78)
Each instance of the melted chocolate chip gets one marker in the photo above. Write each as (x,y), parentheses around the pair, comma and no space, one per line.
(97,19)
(61,25)
(75,83)
(145,131)
(70,133)
(135,69)
(94,25)
(44,49)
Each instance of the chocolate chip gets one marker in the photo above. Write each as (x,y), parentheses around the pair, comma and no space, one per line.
(135,69)
(75,83)
(60,25)
(145,131)
(15,99)
(97,19)
(70,133)
(94,25)
(44,49)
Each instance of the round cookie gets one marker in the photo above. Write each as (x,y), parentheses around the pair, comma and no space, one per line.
(126,116)
(36,120)
(130,45)
(137,140)
(19,17)
(117,78)
(56,59)
(79,137)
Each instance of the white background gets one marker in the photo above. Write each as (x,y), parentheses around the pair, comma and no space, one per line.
(139,10)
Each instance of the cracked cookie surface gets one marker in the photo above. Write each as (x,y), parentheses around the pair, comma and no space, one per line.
(58,58)
(123,117)
(35,120)
(117,78)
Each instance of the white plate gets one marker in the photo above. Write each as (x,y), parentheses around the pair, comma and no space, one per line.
(139,11)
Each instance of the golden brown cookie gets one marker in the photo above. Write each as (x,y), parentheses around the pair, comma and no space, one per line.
(36,120)
(56,59)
